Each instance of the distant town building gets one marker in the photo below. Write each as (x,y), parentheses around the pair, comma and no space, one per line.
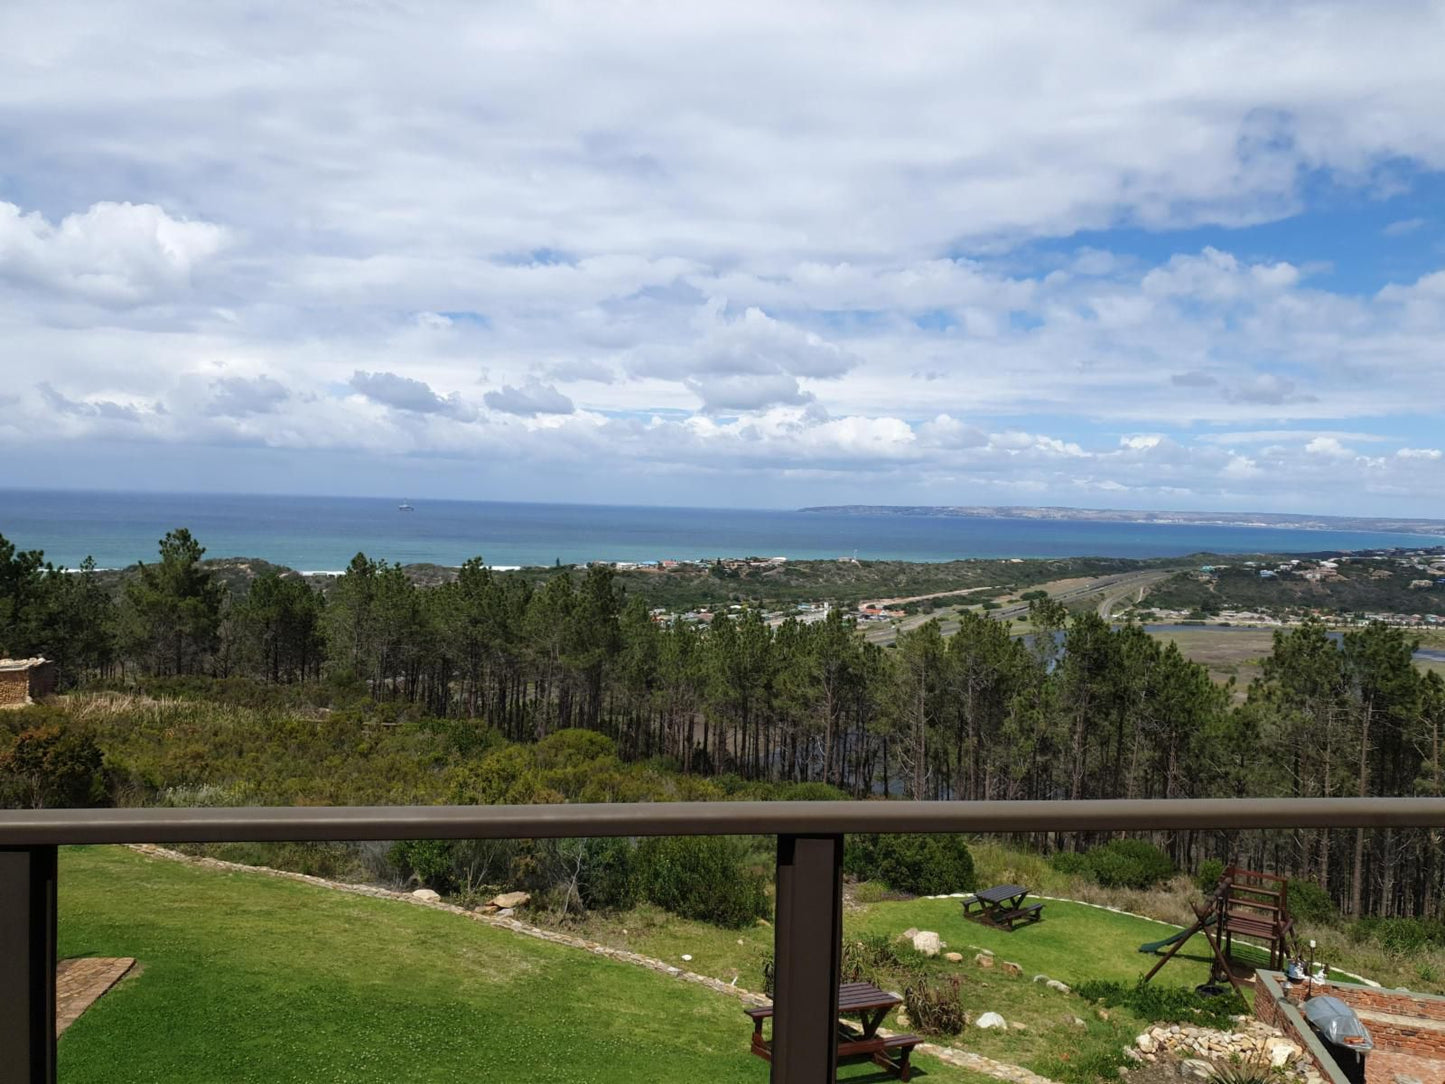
(24,681)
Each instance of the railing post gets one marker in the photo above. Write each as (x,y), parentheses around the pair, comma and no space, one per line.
(807,941)
(27,964)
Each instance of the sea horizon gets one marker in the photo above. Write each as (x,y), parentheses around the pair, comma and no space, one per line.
(322,534)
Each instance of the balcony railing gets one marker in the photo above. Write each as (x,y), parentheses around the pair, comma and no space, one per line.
(808,926)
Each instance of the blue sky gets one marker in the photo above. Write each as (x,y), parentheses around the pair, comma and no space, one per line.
(1132,255)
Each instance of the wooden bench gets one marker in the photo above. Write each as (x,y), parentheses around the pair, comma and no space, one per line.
(1008,919)
(891,1052)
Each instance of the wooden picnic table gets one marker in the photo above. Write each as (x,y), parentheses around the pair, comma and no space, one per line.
(870,1005)
(1002,906)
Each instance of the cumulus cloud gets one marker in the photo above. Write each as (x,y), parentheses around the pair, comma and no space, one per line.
(237,396)
(843,271)
(120,253)
(413,396)
(530,399)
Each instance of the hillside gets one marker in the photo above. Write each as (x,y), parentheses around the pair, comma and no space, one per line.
(245,978)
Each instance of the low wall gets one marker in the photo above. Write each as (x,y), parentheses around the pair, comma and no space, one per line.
(1399,1021)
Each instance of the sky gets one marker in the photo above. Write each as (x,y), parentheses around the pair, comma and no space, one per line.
(1122,255)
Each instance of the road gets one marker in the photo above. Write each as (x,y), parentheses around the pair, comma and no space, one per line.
(1110,591)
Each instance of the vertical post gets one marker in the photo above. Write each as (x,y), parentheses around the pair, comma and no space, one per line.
(27,964)
(807,942)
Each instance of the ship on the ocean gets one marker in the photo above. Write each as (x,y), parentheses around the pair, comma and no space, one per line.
(405,506)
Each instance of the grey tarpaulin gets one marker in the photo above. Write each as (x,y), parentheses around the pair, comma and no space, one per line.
(1337,1022)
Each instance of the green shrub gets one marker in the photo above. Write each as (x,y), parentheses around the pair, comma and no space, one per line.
(935,1008)
(609,877)
(1403,936)
(925,865)
(1166,1004)
(1308,902)
(1210,871)
(1129,863)
(866,958)
(1071,862)
(428,861)
(701,877)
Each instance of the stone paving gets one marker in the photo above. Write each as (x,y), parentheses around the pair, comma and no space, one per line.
(79,983)
(963,1059)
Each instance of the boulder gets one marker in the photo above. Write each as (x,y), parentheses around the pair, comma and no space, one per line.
(910,933)
(953,957)
(1055,984)
(1012,968)
(984,959)
(1147,1043)
(1196,1069)
(926,942)
(1281,1052)
(1041,978)
(512,899)
(427,894)
(505,912)
(991,1020)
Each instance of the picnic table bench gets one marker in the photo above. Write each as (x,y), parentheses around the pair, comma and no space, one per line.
(1002,906)
(871,1005)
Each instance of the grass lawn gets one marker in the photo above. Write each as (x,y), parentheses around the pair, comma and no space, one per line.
(251,978)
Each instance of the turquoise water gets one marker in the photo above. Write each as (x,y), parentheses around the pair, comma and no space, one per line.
(324,533)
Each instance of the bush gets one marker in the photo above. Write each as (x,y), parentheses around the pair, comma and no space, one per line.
(701,877)
(1166,1004)
(1403,936)
(1210,871)
(1129,863)
(867,957)
(924,865)
(1071,862)
(427,861)
(935,1008)
(1308,902)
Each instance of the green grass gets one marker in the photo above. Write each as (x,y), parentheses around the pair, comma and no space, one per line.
(251,978)
(1072,943)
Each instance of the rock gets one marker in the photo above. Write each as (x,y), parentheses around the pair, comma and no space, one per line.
(1041,978)
(1014,1025)
(488,909)
(512,899)
(764,923)
(506,912)
(953,957)
(1075,1021)
(1055,984)
(1196,1068)
(427,894)
(902,1018)
(983,959)
(687,957)
(1281,1052)
(910,933)
(1102,1014)
(926,942)
(1012,968)
(1147,1043)
(1133,1055)
(991,1020)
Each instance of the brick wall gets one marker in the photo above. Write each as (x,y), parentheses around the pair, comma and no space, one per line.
(14,687)
(1424,1040)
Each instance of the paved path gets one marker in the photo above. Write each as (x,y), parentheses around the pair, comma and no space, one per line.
(80,982)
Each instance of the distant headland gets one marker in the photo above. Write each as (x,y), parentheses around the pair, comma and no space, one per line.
(1277,520)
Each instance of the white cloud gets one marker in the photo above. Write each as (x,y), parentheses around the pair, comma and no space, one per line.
(530,399)
(414,396)
(1419,453)
(113,253)
(798,239)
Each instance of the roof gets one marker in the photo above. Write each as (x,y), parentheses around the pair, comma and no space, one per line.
(22,664)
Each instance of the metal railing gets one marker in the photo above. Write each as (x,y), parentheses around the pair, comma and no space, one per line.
(808,927)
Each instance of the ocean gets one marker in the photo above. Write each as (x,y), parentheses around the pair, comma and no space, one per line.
(316,534)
